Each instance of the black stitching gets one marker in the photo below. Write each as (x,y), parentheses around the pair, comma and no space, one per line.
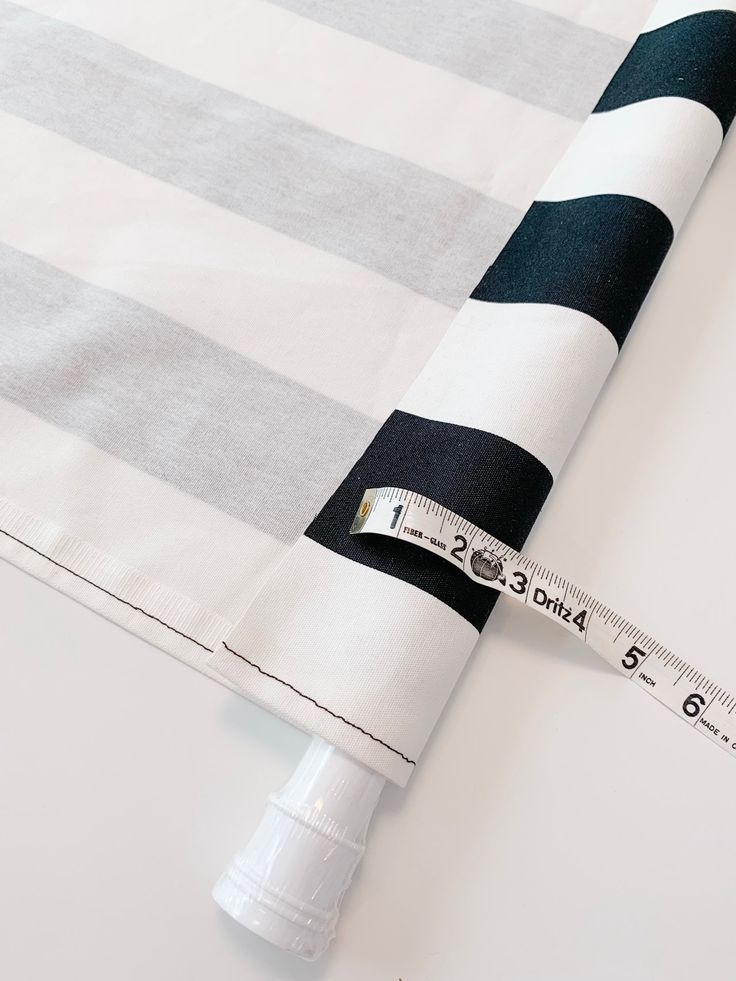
(163,623)
(324,708)
(106,591)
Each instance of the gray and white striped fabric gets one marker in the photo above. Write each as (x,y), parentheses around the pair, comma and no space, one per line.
(361,639)
(231,234)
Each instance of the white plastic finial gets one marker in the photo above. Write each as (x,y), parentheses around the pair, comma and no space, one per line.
(287,883)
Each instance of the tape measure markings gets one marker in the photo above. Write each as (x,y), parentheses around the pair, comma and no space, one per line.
(409,516)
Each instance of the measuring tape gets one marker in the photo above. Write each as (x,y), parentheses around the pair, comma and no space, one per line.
(674,682)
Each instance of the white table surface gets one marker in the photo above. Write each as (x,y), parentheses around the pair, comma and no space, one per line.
(561,824)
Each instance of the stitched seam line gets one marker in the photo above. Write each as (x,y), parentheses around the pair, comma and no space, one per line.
(102,589)
(324,708)
(168,626)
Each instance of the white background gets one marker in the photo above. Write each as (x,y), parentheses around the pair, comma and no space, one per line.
(561,824)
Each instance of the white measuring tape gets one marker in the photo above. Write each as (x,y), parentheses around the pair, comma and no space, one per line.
(674,682)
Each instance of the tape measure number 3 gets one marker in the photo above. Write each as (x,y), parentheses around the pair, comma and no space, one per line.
(672,681)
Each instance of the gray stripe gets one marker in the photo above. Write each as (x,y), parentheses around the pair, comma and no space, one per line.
(535,56)
(170,402)
(416,227)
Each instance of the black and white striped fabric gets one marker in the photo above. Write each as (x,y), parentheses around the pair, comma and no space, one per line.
(360,639)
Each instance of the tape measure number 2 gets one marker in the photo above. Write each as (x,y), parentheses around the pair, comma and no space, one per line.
(672,681)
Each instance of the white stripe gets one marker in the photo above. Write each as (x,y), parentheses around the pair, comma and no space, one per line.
(143,522)
(486,140)
(620,19)
(525,371)
(321,320)
(373,682)
(668,11)
(659,150)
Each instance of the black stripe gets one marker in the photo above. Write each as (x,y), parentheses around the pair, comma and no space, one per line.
(694,58)
(598,254)
(488,480)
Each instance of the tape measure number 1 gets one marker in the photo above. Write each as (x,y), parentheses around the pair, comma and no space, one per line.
(672,681)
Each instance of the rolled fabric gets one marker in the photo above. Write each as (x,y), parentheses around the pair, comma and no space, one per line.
(360,640)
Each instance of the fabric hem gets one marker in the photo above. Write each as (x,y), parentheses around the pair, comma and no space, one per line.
(174,623)
(169,620)
(310,716)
